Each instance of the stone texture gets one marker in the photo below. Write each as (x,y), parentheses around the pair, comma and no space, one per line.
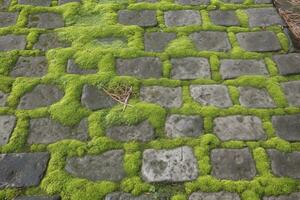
(235,68)
(263,1)
(95,99)
(141,132)
(285,164)
(22,169)
(41,96)
(190,68)
(142,67)
(292,92)
(260,41)
(239,127)
(35,2)
(157,41)
(3,98)
(184,126)
(142,18)
(211,41)
(12,42)
(192,2)
(288,64)
(30,67)
(164,96)
(38,198)
(214,196)
(263,17)
(233,1)
(287,127)
(293,196)
(214,95)
(182,18)
(224,18)
(7,125)
(4,4)
(74,68)
(107,166)
(175,165)
(233,164)
(255,98)
(8,19)
(112,41)
(61,2)
(128,196)
(49,41)
(45,20)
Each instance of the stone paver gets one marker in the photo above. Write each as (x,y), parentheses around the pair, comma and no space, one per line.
(192,2)
(7,125)
(214,196)
(74,68)
(142,18)
(61,2)
(224,18)
(157,41)
(182,18)
(3,98)
(45,20)
(292,92)
(4,4)
(38,198)
(128,196)
(35,2)
(233,1)
(287,127)
(263,17)
(8,19)
(293,196)
(263,1)
(49,41)
(288,64)
(30,67)
(255,98)
(12,42)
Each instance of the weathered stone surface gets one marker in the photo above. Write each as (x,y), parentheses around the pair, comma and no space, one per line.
(7,125)
(192,2)
(255,98)
(164,96)
(95,99)
(190,68)
(182,18)
(215,95)
(4,4)
(263,1)
(3,97)
(263,17)
(175,165)
(41,96)
(142,18)
(214,196)
(22,169)
(61,2)
(287,127)
(235,68)
(293,196)
(285,164)
(74,68)
(128,196)
(288,63)
(157,41)
(107,166)
(112,41)
(142,67)
(261,41)
(239,127)
(184,126)
(224,18)
(46,131)
(211,41)
(233,164)
(35,2)
(142,132)
(49,41)
(292,92)
(8,18)
(45,20)
(233,1)
(12,42)
(30,67)
(38,198)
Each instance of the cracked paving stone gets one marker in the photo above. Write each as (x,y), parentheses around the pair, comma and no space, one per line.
(49,41)
(211,41)
(287,127)
(285,164)
(142,18)
(8,18)
(292,92)
(12,42)
(30,67)
(293,196)
(143,67)
(61,2)
(107,166)
(141,132)
(288,64)
(164,96)
(38,198)
(175,165)
(224,18)
(214,196)
(182,18)
(74,68)
(45,20)
(232,164)
(35,2)
(22,169)
(42,95)
(94,98)
(192,2)
(46,131)
(255,98)
(4,4)
(239,127)
(190,68)
(261,41)
(3,98)
(234,68)
(157,41)
(184,126)
(263,17)
(128,196)
(7,125)
(214,95)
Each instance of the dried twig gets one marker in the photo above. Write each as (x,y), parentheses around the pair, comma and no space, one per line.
(293,21)
(120,95)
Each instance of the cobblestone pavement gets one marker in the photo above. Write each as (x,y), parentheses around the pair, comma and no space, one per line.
(213,114)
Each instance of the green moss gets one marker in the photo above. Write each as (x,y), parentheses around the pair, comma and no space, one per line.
(284,41)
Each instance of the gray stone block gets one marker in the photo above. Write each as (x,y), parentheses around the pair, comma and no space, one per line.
(35,2)
(142,18)
(157,41)
(12,42)
(38,198)
(3,98)
(45,20)
(288,64)
(224,18)
(192,2)
(74,68)
(292,92)
(28,66)
(293,196)
(4,4)
(214,196)
(182,18)
(128,196)
(61,2)
(255,98)
(7,125)
(287,127)
(263,17)
(8,19)
(49,41)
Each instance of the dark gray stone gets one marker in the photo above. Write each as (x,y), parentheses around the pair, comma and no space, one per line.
(157,41)
(107,166)
(45,20)
(184,126)
(49,41)
(211,41)
(141,132)
(215,95)
(233,1)
(74,68)
(164,96)
(260,41)
(38,198)
(235,68)
(287,127)
(8,18)
(41,96)
(30,67)
(292,92)
(288,64)
(214,196)
(255,98)
(233,164)
(22,169)
(61,2)
(263,17)
(128,196)
(293,196)
(35,2)
(239,127)
(192,2)
(143,67)
(224,18)
(190,68)
(3,98)
(4,4)
(7,125)
(174,165)
(12,42)
(263,1)
(285,164)
(142,18)
(182,18)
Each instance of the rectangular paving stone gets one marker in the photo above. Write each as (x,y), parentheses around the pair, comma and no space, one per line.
(12,42)
(288,64)
(38,198)
(74,68)
(4,4)
(255,98)
(128,196)
(29,66)
(287,127)
(49,41)
(61,2)
(3,98)
(157,41)
(35,2)
(182,18)
(142,18)
(292,92)
(263,17)
(233,1)
(192,2)
(7,125)
(224,18)
(293,196)
(8,19)
(263,1)
(214,196)
(45,20)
